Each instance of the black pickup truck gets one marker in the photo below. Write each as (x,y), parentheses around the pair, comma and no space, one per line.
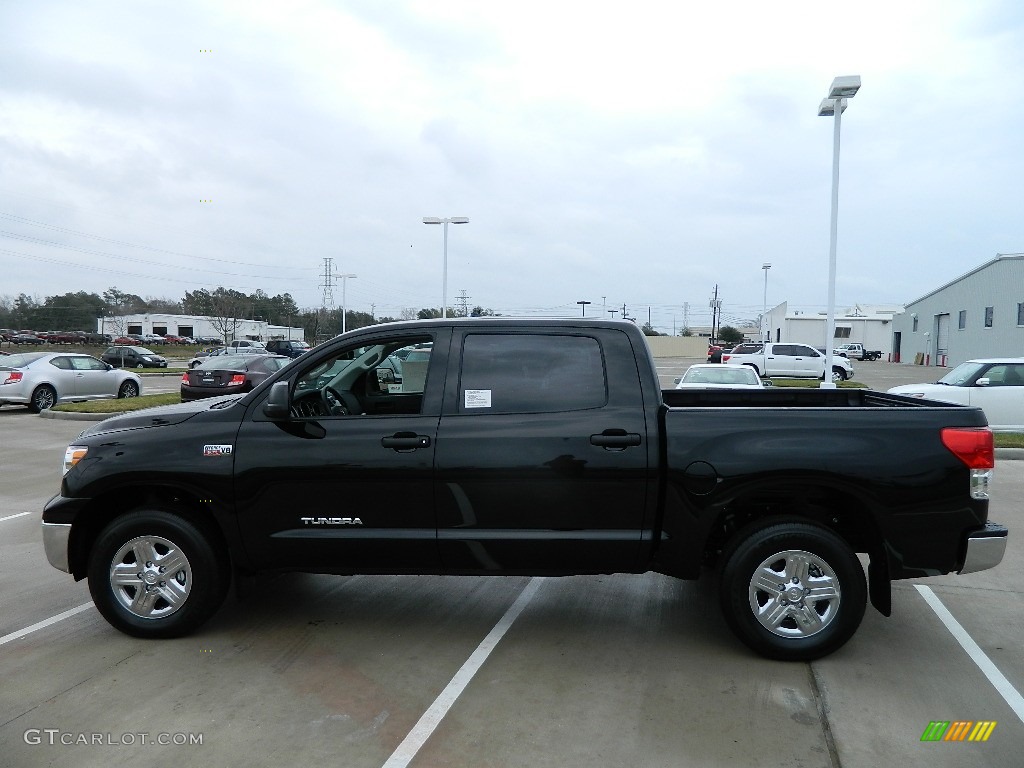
(540,447)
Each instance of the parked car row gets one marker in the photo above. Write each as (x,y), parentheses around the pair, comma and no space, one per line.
(40,380)
(52,337)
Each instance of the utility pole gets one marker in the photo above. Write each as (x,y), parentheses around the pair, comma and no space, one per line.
(463,303)
(716,311)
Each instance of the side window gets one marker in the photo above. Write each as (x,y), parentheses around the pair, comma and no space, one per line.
(782,350)
(802,351)
(88,364)
(1005,375)
(383,378)
(531,373)
(64,363)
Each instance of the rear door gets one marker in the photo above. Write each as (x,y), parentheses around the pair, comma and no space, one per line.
(807,361)
(542,453)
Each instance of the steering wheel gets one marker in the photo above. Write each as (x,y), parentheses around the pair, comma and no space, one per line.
(334,402)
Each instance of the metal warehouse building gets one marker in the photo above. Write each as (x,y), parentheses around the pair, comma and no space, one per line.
(195,325)
(980,314)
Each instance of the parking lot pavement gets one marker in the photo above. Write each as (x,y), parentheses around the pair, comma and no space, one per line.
(636,670)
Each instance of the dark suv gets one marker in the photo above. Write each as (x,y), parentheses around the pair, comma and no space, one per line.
(285,347)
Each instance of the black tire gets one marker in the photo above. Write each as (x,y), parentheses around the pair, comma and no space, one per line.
(43,397)
(140,366)
(816,606)
(838,374)
(128,389)
(185,594)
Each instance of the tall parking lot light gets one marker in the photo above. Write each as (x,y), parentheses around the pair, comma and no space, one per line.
(843,88)
(764,304)
(444,278)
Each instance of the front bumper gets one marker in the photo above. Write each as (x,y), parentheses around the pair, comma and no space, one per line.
(55,541)
(985,548)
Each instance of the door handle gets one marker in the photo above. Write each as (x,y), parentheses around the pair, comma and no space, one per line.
(615,439)
(405,441)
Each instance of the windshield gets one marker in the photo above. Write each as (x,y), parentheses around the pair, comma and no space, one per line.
(962,374)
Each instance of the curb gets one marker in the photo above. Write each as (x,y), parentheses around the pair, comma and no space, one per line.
(49,413)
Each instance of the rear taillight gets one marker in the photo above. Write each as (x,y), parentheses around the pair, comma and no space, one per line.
(13,377)
(236,380)
(976,449)
(184,378)
(725,358)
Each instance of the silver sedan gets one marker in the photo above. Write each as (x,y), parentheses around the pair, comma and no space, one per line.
(40,380)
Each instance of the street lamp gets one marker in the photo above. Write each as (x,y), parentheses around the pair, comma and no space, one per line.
(583,304)
(764,304)
(343,279)
(444,281)
(843,88)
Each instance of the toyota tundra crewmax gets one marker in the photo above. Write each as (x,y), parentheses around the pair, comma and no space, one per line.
(490,446)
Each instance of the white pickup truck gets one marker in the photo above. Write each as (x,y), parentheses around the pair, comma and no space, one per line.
(798,361)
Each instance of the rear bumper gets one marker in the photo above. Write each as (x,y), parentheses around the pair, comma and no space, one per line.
(985,548)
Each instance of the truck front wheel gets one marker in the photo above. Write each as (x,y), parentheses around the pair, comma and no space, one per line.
(154,574)
(792,591)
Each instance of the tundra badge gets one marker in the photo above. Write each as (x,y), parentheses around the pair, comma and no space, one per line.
(331,521)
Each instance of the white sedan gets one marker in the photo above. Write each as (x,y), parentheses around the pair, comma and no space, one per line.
(713,376)
(40,380)
(995,384)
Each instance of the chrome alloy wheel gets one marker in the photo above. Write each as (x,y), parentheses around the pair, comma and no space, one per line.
(150,577)
(794,594)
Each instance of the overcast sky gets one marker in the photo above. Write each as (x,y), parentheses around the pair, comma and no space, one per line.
(631,153)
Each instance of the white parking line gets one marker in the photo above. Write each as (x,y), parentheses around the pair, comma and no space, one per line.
(426,725)
(43,624)
(11,517)
(997,678)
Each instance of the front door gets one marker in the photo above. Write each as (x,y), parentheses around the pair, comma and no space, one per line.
(342,486)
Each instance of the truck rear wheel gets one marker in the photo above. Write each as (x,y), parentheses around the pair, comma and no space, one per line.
(792,591)
(154,574)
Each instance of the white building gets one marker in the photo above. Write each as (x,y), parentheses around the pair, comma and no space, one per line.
(870,325)
(979,314)
(196,325)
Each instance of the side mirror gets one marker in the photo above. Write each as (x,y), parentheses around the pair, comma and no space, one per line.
(278,405)
(984,381)
(767,382)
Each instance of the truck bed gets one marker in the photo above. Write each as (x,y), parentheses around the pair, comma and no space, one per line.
(793,397)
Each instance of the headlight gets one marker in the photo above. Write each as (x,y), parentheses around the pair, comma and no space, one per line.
(73,455)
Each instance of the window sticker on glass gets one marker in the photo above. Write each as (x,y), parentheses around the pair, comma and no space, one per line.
(478,398)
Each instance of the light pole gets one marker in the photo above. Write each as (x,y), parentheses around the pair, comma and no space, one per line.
(444,278)
(583,304)
(764,305)
(343,279)
(843,88)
